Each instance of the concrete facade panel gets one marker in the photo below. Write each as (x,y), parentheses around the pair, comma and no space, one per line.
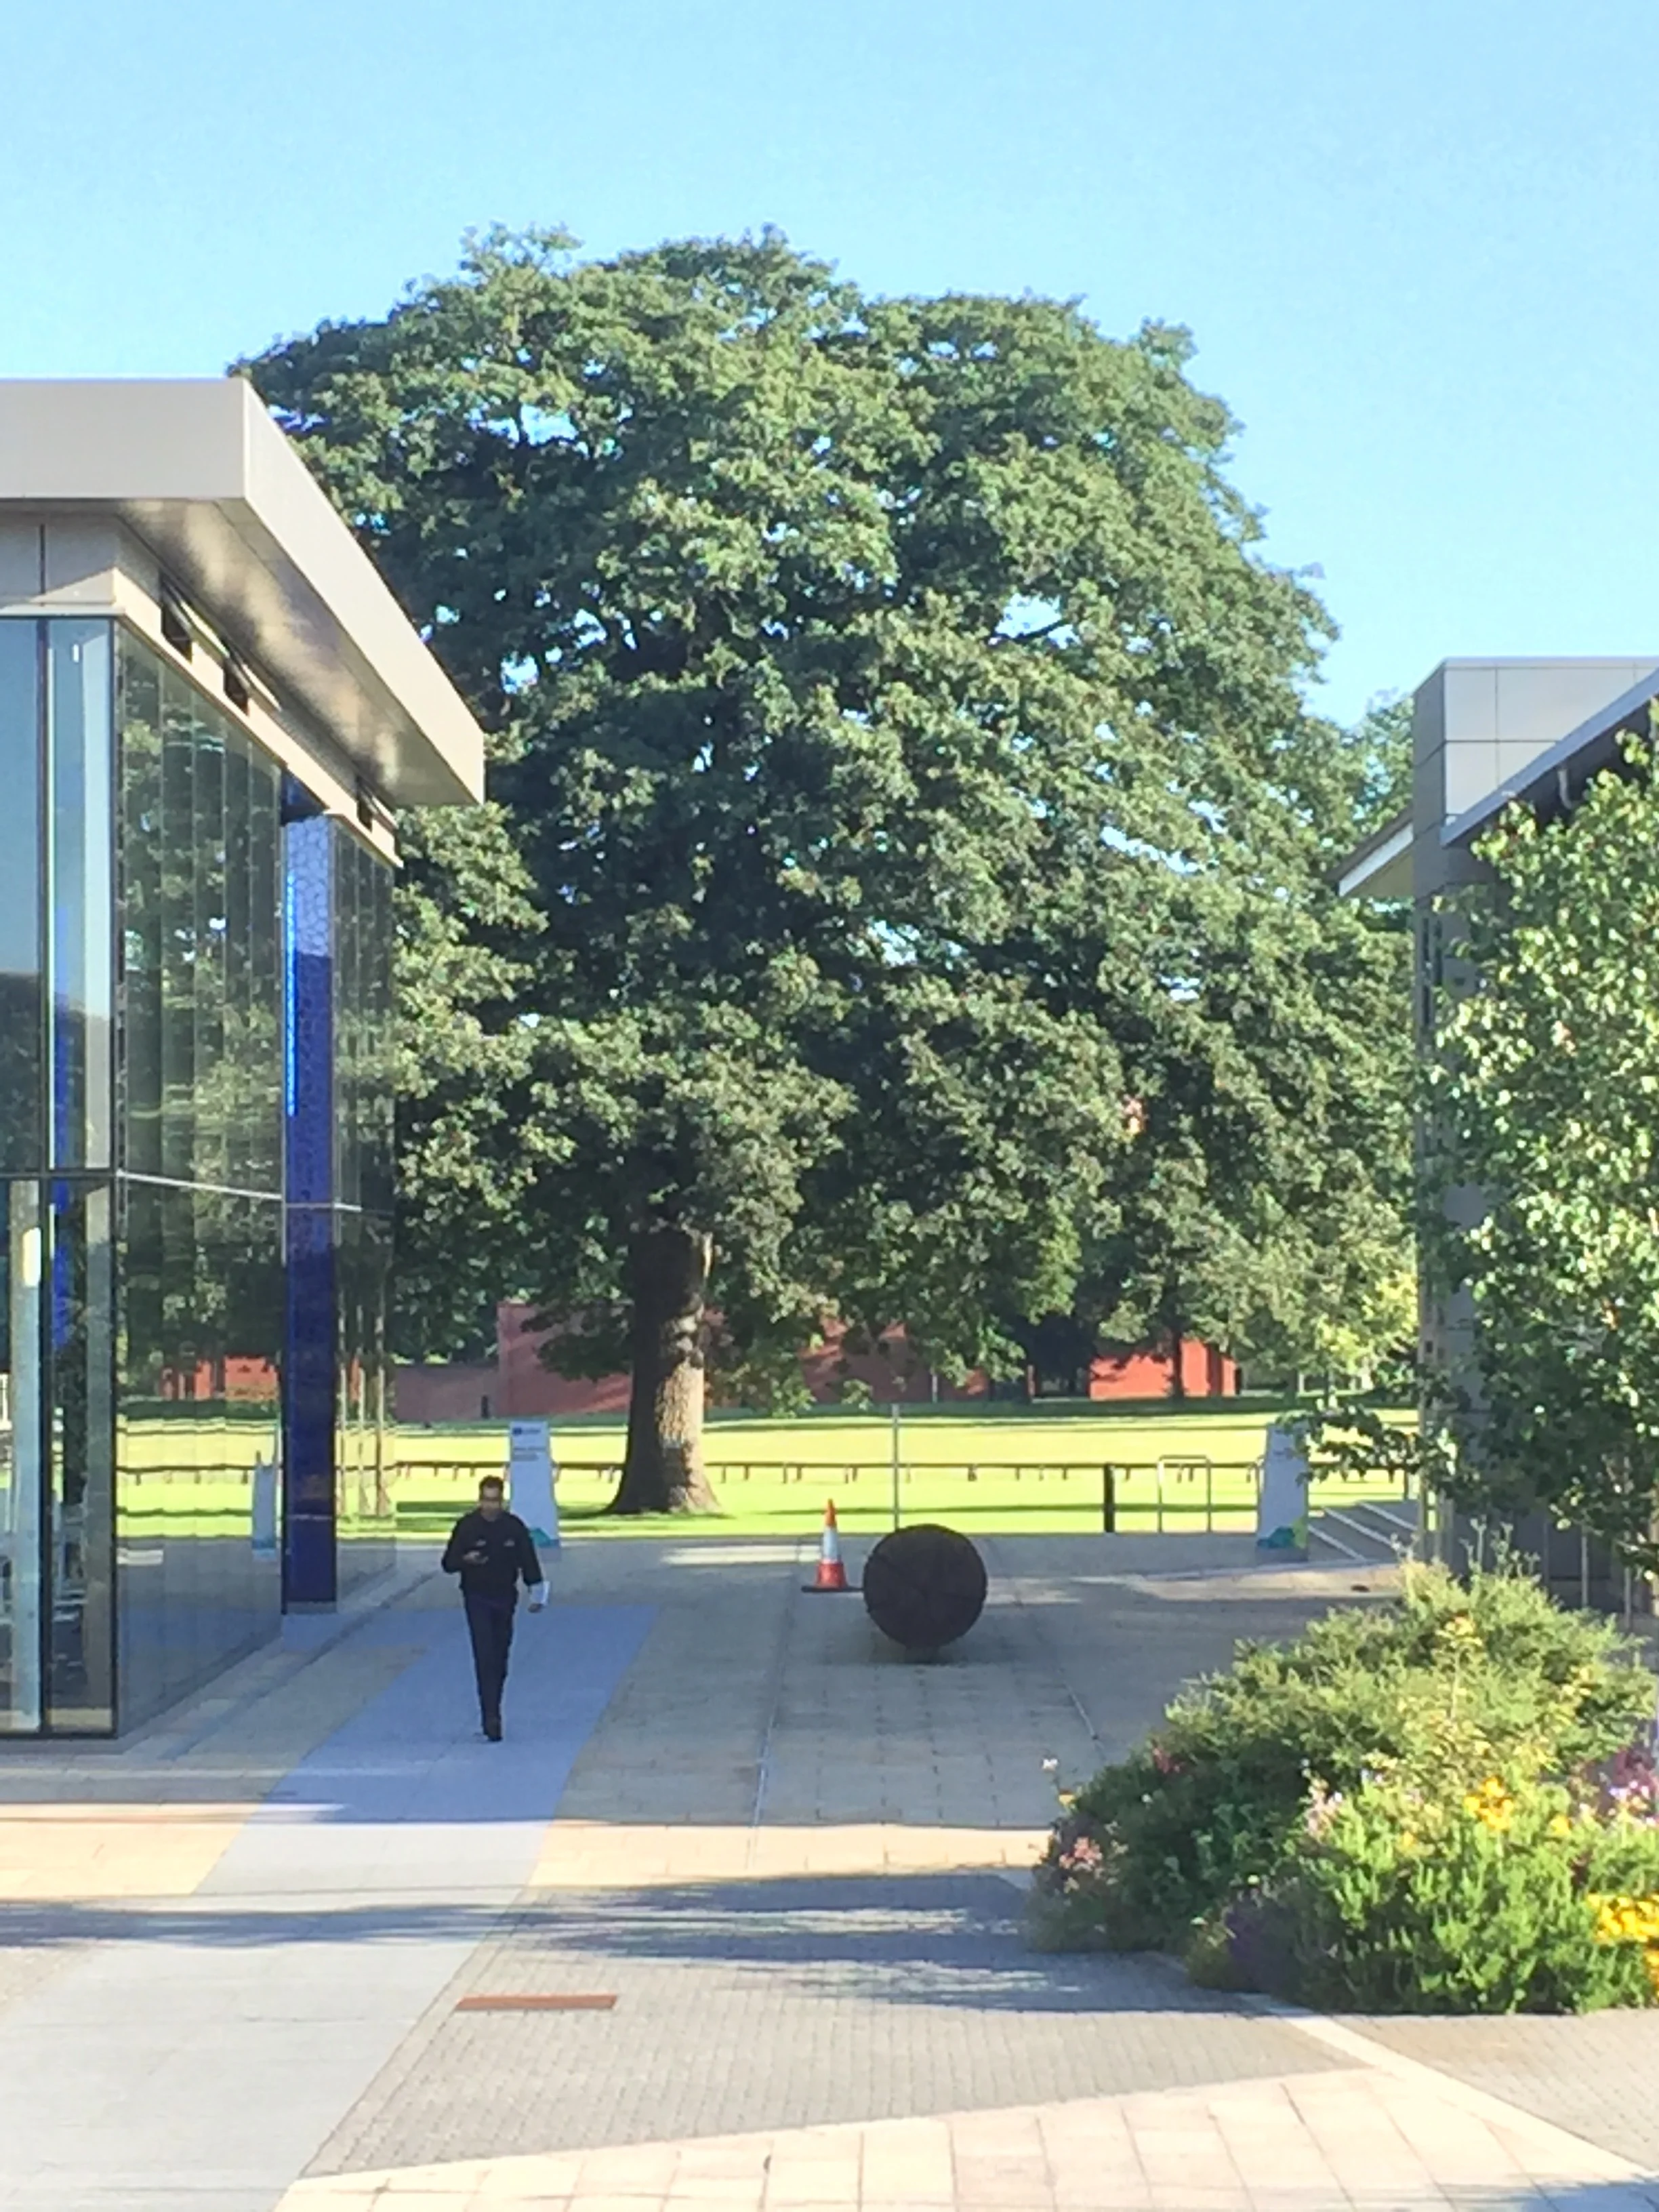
(1470,772)
(1470,692)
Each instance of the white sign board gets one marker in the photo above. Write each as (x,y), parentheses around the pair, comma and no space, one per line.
(265,1508)
(530,1481)
(1282,1515)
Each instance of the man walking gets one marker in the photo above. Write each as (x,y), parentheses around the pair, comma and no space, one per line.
(491,1550)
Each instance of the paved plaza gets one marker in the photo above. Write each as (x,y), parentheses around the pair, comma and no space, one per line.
(733,1918)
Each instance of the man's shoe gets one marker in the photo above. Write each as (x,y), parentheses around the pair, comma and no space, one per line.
(493,1731)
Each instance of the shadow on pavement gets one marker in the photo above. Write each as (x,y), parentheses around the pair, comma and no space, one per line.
(902,1939)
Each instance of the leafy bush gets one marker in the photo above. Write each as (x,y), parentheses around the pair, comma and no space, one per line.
(1397,1900)
(1310,1820)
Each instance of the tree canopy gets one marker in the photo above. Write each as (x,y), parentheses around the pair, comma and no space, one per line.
(903,883)
(1542,1094)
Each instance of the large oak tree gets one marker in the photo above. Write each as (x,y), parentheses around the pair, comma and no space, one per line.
(905,833)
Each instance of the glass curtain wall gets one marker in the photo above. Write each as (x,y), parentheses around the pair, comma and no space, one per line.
(146,1310)
(199,1225)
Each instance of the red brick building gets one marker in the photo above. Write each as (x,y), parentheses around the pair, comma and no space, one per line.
(516,1386)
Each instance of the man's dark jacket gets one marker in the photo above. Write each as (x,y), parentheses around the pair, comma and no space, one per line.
(490,1556)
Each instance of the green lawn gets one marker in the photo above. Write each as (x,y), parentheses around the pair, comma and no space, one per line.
(1000,1469)
(1006,1470)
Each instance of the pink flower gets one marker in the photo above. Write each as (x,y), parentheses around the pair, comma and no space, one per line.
(1085,1854)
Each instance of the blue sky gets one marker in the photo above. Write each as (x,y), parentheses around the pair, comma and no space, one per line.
(1415,241)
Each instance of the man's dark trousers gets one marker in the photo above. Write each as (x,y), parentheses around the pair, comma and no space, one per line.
(490,1620)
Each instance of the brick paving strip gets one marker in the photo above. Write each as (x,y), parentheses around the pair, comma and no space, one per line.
(755,2005)
(1361,2137)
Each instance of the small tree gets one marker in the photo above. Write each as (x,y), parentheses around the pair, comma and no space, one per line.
(1543,1104)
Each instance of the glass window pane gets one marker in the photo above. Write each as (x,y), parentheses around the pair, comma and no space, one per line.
(379,1107)
(212,1074)
(179,924)
(240,1069)
(23,1134)
(264,1157)
(79,744)
(82,1441)
(364,1512)
(21,1517)
(142,933)
(200,1316)
(200,860)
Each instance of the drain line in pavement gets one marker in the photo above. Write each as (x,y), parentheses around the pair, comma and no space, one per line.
(561,2000)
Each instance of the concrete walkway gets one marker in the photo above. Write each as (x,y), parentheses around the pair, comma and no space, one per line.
(732,1919)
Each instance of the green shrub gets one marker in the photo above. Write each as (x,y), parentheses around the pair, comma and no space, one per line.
(1207,1840)
(1396,1901)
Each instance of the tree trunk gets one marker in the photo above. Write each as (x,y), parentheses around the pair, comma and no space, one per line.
(668,1279)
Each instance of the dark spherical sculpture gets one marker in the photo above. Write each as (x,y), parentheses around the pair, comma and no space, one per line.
(924,1587)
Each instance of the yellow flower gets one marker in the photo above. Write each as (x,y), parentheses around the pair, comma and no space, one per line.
(1561,1825)
(1492,1805)
(1630,1920)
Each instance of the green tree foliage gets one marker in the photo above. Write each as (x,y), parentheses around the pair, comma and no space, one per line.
(1268,1206)
(901,883)
(1542,1099)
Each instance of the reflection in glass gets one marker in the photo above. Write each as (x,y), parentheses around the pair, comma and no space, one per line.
(362,1025)
(202,987)
(360,1033)
(82,1440)
(200,1319)
(141,1326)
(214,1071)
(23,1136)
(200,1300)
(259,1166)
(80,872)
(366,1520)
(20,1525)
(178,920)
(143,935)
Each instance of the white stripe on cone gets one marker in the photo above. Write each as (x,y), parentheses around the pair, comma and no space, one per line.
(831,1576)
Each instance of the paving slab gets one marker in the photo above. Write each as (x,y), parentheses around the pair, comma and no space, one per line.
(1596,2075)
(1346,2140)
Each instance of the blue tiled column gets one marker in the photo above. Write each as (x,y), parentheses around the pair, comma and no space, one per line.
(309,1568)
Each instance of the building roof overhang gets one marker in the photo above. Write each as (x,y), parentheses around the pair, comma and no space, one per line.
(198,470)
(1546,783)
(1381,868)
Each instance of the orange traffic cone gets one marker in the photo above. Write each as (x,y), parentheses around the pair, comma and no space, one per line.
(832,1575)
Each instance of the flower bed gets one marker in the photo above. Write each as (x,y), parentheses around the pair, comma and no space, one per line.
(1447,1804)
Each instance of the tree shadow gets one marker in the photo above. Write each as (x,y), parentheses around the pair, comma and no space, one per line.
(904,1940)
